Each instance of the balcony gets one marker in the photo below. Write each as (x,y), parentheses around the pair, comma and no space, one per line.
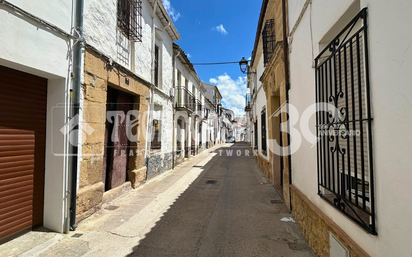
(185,100)
(248,105)
(199,108)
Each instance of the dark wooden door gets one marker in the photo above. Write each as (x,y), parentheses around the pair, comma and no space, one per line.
(23,101)
(116,151)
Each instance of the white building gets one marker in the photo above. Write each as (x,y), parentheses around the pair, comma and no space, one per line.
(189,112)
(128,71)
(257,107)
(213,95)
(360,195)
(35,64)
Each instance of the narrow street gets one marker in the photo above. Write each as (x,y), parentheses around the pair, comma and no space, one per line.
(180,214)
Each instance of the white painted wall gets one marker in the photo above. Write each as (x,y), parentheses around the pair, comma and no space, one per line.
(31,47)
(186,73)
(56,179)
(100,29)
(390,61)
(258,103)
(165,43)
(30,44)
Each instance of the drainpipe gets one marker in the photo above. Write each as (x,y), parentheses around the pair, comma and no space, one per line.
(75,104)
(287,80)
(151,101)
(174,110)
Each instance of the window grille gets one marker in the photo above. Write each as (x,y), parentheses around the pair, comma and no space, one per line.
(263,127)
(156,66)
(129,19)
(256,135)
(269,40)
(345,164)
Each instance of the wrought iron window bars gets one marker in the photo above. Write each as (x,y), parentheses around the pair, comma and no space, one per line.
(269,40)
(129,19)
(344,148)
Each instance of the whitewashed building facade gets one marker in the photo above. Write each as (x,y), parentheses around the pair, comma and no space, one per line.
(356,187)
(36,62)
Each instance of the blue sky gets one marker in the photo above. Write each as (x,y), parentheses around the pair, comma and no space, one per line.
(218,31)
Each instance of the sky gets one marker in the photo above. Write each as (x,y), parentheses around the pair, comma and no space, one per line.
(218,31)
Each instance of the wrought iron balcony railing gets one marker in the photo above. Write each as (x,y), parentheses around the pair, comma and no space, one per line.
(199,107)
(185,99)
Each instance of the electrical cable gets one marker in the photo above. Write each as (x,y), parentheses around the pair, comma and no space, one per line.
(214,63)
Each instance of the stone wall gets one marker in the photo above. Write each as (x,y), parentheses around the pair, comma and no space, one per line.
(264,165)
(97,77)
(316,226)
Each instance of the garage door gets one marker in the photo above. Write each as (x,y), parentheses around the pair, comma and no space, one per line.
(22,150)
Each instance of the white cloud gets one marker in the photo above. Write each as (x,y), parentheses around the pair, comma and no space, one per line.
(221,29)
(189,55)
(171,11)
(233,92)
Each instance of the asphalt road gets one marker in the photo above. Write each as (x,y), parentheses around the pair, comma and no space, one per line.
(226,211)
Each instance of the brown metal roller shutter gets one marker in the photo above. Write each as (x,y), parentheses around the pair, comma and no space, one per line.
(23,99)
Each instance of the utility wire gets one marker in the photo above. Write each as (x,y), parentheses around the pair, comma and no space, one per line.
(214,63)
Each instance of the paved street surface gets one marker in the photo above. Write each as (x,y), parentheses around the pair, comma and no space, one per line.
(180,214)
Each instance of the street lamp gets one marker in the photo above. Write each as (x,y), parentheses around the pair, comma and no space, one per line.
(243,65)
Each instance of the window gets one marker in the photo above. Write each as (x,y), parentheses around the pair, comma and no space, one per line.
(269,40)
(129,19)
(263,127)
(255,131)
(179,78)
(156,66)
(179,88)
(200,134)
(157,140)
(179,135)
(157,127)
(344,151)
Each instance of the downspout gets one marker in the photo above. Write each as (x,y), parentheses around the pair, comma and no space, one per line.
(287,80)
(174,110)
(151,102)
(75,104)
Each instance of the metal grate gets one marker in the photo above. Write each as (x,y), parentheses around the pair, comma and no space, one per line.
(269,40)
(263,131)
(344,124)
(129,19)
(213,182)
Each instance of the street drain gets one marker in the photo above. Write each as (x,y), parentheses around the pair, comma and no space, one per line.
(111,208)
(212,182)
(77,235)
(276,201)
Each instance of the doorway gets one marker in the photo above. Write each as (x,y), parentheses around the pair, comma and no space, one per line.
(116,142)
(277,164)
